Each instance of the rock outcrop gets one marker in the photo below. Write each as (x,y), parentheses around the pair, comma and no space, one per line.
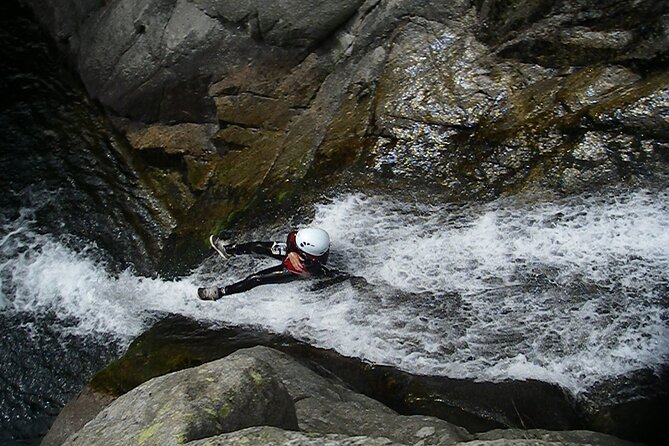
(262,396)
(235,106)
(222,396)
(177,342)
(331,399)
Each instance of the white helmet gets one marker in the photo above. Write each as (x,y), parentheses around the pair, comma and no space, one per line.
(313,241)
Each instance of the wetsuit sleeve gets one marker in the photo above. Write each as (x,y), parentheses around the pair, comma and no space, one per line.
(291,242)
(274,274)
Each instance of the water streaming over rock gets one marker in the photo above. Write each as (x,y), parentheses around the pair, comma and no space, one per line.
(569,290)
(65,186)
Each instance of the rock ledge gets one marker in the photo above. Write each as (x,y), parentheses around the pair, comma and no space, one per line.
(260,396)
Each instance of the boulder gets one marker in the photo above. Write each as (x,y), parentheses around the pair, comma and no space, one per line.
(221,396)
(178,342)
(254,387)
(75,415)
(328,407)
(259,395)
(265,436)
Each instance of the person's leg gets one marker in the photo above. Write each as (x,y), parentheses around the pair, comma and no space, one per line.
(261,248)
(275,274)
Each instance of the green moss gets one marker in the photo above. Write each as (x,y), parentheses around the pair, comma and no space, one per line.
(147,358)
(225,410)
(283,195)
(137,367)
(147,433)
(257,377)
(172,344)
(180,439)
(219,226)
(198,173)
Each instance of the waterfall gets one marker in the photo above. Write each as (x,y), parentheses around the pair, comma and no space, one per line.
(570,291)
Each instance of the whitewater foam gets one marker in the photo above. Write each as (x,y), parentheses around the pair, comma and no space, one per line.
(571,292)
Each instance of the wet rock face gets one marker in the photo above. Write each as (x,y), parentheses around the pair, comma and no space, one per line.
(235,107)
(154,60)
(575,33)
(501,121)
(423,127)
(290,23)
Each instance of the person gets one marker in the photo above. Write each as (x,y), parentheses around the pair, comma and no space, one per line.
(304,254)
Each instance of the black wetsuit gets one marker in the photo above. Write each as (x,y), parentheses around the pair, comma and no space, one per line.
(284,272)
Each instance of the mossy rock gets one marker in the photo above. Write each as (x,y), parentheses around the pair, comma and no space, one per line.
(176,343)
(199,402)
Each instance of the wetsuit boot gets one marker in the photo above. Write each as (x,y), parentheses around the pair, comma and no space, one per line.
(210,293)
(225,248)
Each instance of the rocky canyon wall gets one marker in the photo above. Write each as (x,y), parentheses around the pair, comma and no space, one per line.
(236,108)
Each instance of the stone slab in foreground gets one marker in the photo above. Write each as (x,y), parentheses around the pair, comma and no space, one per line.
(260,396)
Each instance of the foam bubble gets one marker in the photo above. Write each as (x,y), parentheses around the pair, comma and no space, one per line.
(42,275)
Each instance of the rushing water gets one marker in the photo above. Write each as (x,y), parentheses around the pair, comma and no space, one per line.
(571,291)
(62,179)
